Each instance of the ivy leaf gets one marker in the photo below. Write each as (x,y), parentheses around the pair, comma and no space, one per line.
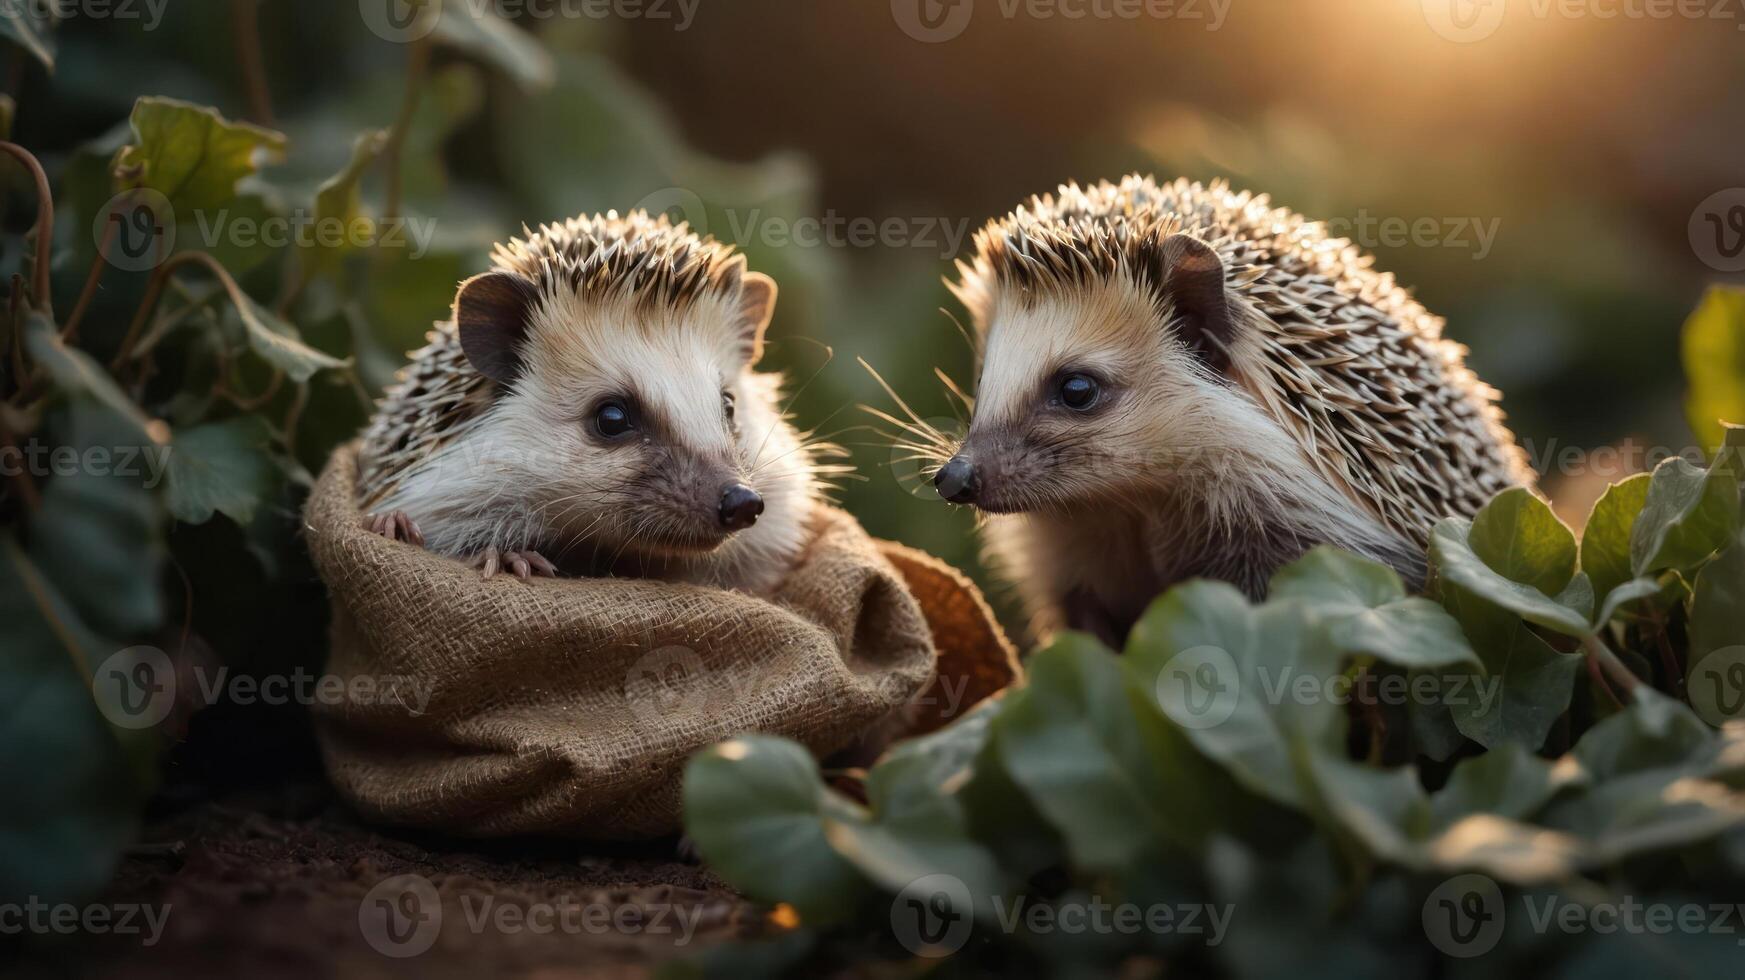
(1528,683)
(1605,541)
(31,27)
(1714,363)
(223,467)
(1508,781)
(478,30)
(1519,537)
(1458,565)
(190,154)
(61,837)
(339,200)
(96,537)
(1690,513)
(1368,613)
(75,372)
(277,342)
(1227,674)
(1108,773)
(761,816)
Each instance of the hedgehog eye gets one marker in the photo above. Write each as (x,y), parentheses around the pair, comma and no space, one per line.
(1079,392)
(612,419)
(727,404)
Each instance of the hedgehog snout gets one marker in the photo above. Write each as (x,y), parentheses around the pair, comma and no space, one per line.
(958,481)
(740,507)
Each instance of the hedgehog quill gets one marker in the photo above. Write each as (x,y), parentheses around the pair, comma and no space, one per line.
(591,408)
(1180,381)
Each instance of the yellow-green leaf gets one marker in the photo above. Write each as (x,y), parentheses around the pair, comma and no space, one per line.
(191,154)
(1714,362)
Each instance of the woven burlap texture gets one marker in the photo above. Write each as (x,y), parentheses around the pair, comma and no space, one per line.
(570,706)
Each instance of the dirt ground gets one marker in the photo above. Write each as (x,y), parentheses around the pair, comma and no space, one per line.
(284,881)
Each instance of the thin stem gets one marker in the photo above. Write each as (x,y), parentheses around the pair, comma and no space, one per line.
(246,31)
(417,65)
(45,224)
(1599,681)
(70,333)
(1668,658)
(1602,657)
(154,291)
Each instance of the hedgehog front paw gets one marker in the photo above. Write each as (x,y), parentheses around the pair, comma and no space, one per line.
(394,525)
(523,564)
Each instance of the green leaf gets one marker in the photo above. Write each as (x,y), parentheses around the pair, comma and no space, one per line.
(1690,513)
(1110,775)
(480,31)
(222,467)
(1662,779)
(1519,537)
(1714,363)
(75,803)
(1366,611)
(1528,683)
(1458,565)
(1388,813)
(191,154)
(339,200)
(761,816)
(31,27)
(1634,590)
(1715,673)
(75,372)
(1228,675)
(96,537)
(277,342)
(1605,541)
(1508,781)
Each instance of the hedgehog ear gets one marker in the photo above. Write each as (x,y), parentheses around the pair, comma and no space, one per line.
(757,304)
(491,312)
(1194,277)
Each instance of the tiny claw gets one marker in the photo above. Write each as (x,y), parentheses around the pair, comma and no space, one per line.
(540,565)
(519,566)
(491,562)
(408,528)
(395,525)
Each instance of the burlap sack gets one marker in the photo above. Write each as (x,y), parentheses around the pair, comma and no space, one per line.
(570,706)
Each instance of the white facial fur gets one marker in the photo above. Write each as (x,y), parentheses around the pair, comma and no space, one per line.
(535,472)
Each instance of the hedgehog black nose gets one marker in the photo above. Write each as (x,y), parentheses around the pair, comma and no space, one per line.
(740,506)
(957,481)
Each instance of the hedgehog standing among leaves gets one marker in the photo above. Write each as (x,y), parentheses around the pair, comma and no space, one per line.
(592,407)
(1180,381)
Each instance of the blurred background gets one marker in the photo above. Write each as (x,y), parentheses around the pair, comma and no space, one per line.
(1558,181)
